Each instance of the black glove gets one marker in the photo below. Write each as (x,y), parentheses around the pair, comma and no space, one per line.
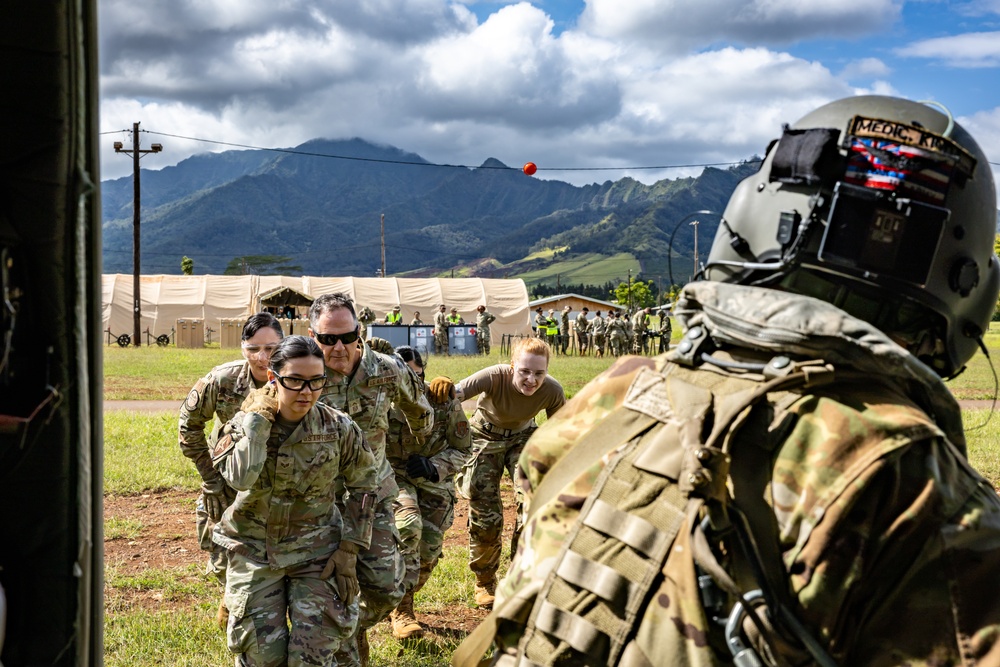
(421,466)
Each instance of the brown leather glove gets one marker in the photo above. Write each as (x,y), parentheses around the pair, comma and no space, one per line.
(344,565)
(381,345)
(442,389)
(263,401)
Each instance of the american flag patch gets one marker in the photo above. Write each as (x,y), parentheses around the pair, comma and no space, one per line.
(908,171)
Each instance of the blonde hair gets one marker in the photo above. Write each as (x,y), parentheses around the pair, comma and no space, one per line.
(523,346)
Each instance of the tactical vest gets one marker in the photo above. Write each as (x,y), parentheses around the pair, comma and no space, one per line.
(675,433)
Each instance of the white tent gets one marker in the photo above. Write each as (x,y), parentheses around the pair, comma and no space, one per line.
(167,298)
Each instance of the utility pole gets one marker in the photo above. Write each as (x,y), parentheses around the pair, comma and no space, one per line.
(136,153)
(383,245)
(695,271)
(630,290)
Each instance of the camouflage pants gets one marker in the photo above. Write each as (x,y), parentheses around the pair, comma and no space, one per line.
(483,341)
(480,483)
(424,511)
(582,342)
(563,339)
(618,344)
(261,603)
(599,344)
(441,343)
(638,343)
(380,574)
(218,557)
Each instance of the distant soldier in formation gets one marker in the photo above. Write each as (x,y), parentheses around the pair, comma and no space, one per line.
(564,329)
(366,316)
(484,319)
(511,395)
(666,330)
(582,329)
(617,334)
(454,319)
(598,327)
(425,506)
(416,321)
(541,324)
(363,383)
(640,329)
(394,317)
(218,396)
(441,331)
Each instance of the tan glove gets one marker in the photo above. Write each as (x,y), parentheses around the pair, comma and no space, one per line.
(213,497)
(381,345)
(442,389)
(263,401)
(344,565)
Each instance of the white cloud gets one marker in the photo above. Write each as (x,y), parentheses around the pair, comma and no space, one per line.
(865,68)
(673,25)
(974,49)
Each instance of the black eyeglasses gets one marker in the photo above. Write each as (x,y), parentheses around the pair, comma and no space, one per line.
(333,339)
(298,384)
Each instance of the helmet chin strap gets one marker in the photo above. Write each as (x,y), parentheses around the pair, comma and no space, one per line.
(996,386)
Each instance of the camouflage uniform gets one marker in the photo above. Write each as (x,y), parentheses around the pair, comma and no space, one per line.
(541,325)
(219,394)
(582,327)
(283,527)
(379,380)
(424,509)
(640,325)
(563,331)
(883,538)
(497,440)
(598,327)
(366,316)
(617,336)
(666,331)
(441,333)
(483,322)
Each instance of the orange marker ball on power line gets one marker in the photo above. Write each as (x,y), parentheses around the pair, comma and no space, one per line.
(529,168)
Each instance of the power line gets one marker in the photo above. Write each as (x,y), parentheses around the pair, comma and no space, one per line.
(293,151)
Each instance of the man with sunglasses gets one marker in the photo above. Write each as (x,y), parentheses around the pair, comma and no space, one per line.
(363,383)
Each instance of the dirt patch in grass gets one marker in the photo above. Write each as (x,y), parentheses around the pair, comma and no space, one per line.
(163,537)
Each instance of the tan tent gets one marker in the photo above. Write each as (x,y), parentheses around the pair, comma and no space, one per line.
(165,299)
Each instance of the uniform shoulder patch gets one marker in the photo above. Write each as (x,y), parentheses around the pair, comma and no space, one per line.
(462,428)
(223,446)
(193,400)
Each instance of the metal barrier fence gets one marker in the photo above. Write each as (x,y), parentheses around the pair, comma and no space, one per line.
(650,345)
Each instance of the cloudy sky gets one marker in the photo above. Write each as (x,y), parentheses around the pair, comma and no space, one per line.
(590,90)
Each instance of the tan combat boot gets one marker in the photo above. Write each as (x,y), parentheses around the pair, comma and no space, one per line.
(485,590)
(222,617)
(404,621)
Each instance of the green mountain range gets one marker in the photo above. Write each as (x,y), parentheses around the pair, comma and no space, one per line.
(319,206)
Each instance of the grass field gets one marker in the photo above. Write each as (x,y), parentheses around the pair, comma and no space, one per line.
(142,457)
(586,269)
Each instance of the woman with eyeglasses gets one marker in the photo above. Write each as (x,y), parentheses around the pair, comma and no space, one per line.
(292,587)
(425,506)
(510,396)
(219,394)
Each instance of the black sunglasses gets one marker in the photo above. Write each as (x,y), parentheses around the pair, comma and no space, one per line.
(298,384)
(333,339)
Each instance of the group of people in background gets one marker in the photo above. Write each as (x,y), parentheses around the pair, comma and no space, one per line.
(617,333)
(329,478)
(443,319)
